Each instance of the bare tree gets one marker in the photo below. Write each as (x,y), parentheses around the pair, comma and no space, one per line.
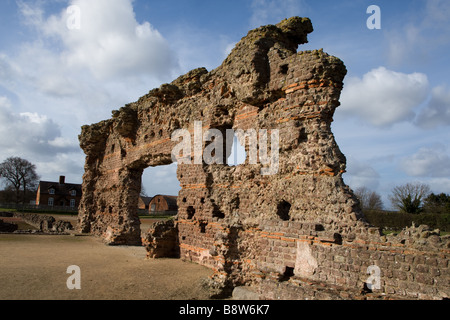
(409,197)
(369,200)
(19,173)
(143,191)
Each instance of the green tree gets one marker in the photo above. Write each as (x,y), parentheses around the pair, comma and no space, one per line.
(437,203)
(409,197)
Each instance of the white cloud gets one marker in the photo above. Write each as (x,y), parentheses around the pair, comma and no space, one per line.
(109,41)
(416,39)
(384,97)
(437,111)
(60,142)
(38,139)
(30,134)
(83,74)
(61,78)
(361,174)
(69,165)
(439,185)
(428,162)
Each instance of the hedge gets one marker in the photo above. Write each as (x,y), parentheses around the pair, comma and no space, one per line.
(399,220)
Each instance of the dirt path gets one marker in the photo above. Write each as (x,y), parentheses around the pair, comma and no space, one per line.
(34,267)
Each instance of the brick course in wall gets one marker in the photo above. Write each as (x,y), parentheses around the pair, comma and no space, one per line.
(296,234)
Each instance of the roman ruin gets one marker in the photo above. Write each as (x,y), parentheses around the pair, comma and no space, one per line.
(296,234)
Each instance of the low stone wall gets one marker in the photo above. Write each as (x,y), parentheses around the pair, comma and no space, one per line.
(411,265)
(44,223)
(309,264)
(40,222)
(6,214)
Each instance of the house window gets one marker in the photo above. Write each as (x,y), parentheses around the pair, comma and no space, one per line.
(52,191)
(73,193)
(72,203)
(51,202)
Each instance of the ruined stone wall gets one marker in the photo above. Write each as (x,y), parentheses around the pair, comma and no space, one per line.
(301,224)
(410,265)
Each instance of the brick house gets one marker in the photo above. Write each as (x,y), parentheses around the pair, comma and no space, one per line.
(58,194)
(144,203)
(163,203)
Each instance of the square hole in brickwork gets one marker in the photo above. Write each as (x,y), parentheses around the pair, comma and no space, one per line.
(288,273)
(203,227)
(190,212)
(283,210)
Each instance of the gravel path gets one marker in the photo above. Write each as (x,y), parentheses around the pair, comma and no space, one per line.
(34,267)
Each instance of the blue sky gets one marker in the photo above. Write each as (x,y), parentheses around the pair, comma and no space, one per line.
(393,124)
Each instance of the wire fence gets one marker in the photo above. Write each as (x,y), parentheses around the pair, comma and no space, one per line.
(143,212)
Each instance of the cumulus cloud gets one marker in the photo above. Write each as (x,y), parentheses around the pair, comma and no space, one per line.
(38,139)
(30,134)
(105,38)
(82,74)
(69,165)
(383,97)
(437,111)
(361,174)
(428,162)
(60,78)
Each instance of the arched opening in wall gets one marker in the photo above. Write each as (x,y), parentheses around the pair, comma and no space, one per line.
(283,210)
(159,192)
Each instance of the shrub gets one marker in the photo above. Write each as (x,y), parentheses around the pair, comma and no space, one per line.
(400,220)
